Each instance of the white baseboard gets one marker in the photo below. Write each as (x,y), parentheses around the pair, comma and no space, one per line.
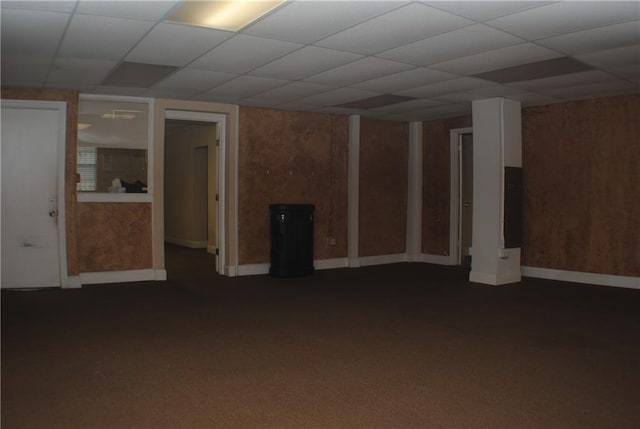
(121,276)
(329,264)
(581,277)
(192,244)
(160,275)
(211,249)
(493,279)
(253,269)
(73,282)
(436,259)
(383,259)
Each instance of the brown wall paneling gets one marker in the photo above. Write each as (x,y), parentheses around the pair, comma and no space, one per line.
(581,176)
(292,157)
(436,182)
(115,236)
(384,151)
(71,98)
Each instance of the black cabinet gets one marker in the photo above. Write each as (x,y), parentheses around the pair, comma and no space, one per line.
(291,239)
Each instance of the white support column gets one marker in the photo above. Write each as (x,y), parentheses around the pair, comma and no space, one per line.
(497,141)
(353,191)
(414,194)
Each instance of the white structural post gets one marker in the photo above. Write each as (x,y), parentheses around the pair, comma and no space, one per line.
(353,217)
(497,141)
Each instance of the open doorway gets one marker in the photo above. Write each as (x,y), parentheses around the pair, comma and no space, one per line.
(461,196)
(190,195)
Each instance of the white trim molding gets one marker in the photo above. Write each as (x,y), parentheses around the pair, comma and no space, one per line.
(454,193)
(122,276)
(494,279)
(582,277)
(383,259)
(330,264)
(319,264)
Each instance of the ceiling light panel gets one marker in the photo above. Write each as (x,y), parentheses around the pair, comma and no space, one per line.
(243,53)
(231,15)
(309,21)
(101,37)
(175,44)
(415,20)
(454,44)
(566,17)
(536,70)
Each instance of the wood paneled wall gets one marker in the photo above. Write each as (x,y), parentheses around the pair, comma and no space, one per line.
(581,163)
(436,183)
(291,157)
(115,236)
(384,151)
(71,98)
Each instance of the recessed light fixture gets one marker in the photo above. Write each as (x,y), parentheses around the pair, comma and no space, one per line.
(231,15)
(120,114)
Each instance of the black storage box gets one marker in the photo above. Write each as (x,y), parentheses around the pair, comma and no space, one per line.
(291,239)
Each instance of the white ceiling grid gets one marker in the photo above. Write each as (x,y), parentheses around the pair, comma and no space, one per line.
(316,55)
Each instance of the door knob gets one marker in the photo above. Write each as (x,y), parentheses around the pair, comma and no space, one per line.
(467,205)
(52,213)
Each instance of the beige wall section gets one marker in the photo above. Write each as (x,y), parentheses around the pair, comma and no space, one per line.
(436,186)
(71,98)
(114,236)
(292,157)
(187,149)
(581,164)
(384,151)
(231,174)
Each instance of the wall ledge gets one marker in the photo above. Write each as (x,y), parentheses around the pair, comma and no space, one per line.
(582,277)
(383,259)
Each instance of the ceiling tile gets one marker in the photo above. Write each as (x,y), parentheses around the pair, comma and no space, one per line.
(46,5)
(167,93)
(444,111)
(336,97)
(138,75)
(19,35)
(495,91)
(536,70)
(597,39)
(145,10)
(497,59)
(305,62)
(244,87)
(593,90)
(612,58)
(566,17)
(24,70)
(416,22)
(193,81)
(533,99)
(466,41)
(627,72)
(308,21)
(446,87)
(242,53)
(80,71)
(408,106)
(357,71)
(175,44)
(298,106)
(118,90)
(572,79)
(292,91)
(101,37)
(484,10)
(404,80)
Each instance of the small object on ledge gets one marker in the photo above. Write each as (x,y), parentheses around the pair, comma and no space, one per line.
(116,189)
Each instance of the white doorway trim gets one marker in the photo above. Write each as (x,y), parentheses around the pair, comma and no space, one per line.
(454,194)
(61,108)
(220,121)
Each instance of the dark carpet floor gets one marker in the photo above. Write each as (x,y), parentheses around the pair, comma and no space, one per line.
(396,346)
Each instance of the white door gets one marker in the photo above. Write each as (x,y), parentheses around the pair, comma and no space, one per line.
(31,141)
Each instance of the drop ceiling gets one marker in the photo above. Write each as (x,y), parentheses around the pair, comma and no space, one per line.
(429,59)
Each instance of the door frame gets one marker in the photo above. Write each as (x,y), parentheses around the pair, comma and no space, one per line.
(61,200)
(220,120)
(455,194)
